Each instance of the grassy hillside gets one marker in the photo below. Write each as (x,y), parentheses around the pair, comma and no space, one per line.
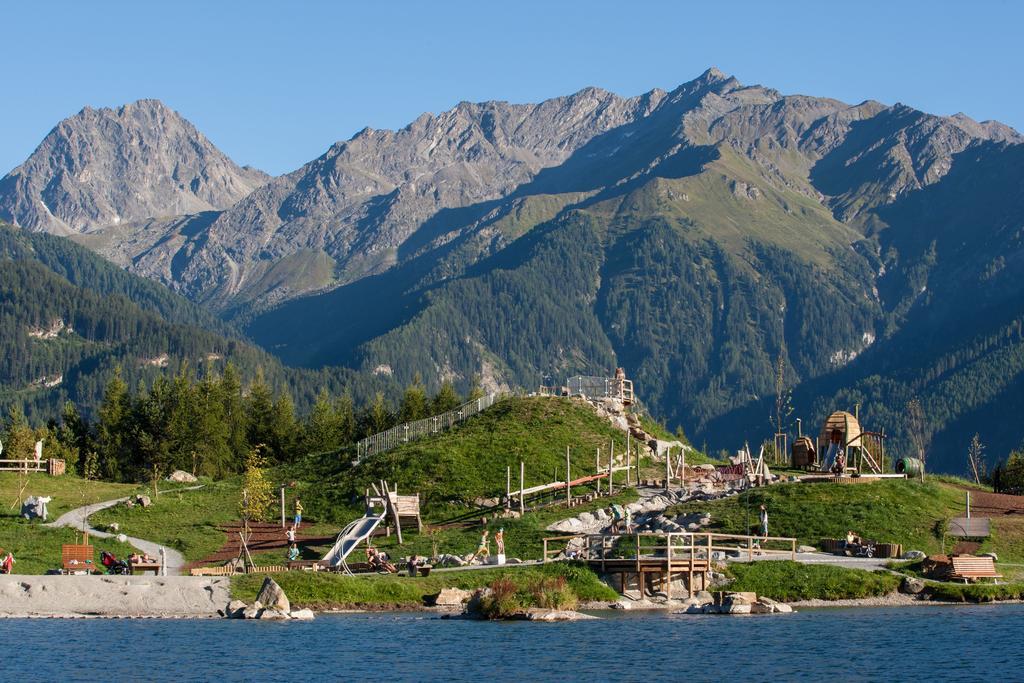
(454,468)
(897,511)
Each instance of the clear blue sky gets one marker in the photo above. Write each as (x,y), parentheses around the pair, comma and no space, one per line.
(274,84)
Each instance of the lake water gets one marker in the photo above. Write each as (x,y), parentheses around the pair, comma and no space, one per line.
(970,643)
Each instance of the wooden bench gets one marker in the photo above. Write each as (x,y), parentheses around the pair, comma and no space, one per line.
(971,568)
(76,558)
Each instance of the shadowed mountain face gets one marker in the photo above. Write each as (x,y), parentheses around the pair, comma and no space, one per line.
(692,236)
(105,167)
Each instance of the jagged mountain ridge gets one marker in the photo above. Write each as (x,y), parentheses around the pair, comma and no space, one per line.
(103,167)
(769,214)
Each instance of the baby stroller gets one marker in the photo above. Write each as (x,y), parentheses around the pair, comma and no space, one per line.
(114,565)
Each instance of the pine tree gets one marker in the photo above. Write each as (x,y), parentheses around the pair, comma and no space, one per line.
(445,399)
(259,408)
(234,416)
(476,389)
(112,428)
(324,429)
(19,439)
(151,437)
(346,419)
(213,454)
(378,417)
(283,429)
(414,401)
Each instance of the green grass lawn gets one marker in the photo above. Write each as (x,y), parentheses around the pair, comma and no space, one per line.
(184,520)
(789,581)
(321,590)
(37,548)
(896,511)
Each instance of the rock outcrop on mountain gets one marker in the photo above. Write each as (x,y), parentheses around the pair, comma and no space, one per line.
(106,167)
(694,237)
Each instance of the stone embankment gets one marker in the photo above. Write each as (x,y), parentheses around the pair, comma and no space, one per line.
(112,596)
(647,514)
(704,602)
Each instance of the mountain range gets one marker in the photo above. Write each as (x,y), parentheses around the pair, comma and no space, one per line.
(694,237)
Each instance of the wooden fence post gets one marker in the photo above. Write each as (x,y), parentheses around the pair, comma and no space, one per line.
(522,485)
(568,478)
(611,470)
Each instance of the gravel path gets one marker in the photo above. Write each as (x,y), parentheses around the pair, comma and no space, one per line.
(79,519)
(866,563)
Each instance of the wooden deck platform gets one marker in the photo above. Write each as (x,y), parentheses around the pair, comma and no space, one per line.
(661,556)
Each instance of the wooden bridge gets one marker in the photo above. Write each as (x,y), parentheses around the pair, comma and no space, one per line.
(667,556)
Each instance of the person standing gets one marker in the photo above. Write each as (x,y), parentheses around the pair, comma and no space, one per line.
(290,534)
(7,563)
(298,513)
(499,541)
(764,521)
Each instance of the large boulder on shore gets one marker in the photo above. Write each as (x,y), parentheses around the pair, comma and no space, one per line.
(273,614)
(911,585)
(182,477)
(450,597)
(272,596)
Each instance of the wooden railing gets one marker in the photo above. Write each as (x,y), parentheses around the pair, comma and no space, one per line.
(52,466)
(668,546)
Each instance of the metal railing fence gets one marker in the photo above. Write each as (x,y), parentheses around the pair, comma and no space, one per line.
(406,432)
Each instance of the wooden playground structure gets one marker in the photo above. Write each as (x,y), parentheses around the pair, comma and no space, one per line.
(843,447)
(516,498)
(660,556)
(402,511)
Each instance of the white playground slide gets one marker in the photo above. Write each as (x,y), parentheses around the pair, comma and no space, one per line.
(350,538)
(830,457)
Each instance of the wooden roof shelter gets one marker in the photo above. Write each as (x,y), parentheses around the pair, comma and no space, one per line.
(844,428)
(846,423)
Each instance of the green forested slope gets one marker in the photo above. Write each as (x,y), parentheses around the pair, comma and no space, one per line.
(68,319)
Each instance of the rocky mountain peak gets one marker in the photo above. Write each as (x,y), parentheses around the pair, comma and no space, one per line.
(107,166)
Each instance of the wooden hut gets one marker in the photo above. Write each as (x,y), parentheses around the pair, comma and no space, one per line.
(843,429)
(804,454)
(840,427)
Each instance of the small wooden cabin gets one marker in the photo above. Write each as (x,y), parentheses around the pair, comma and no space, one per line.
(840,427)
(804,454)
(843,429)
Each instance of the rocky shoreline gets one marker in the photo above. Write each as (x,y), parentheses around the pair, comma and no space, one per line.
(146,597)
